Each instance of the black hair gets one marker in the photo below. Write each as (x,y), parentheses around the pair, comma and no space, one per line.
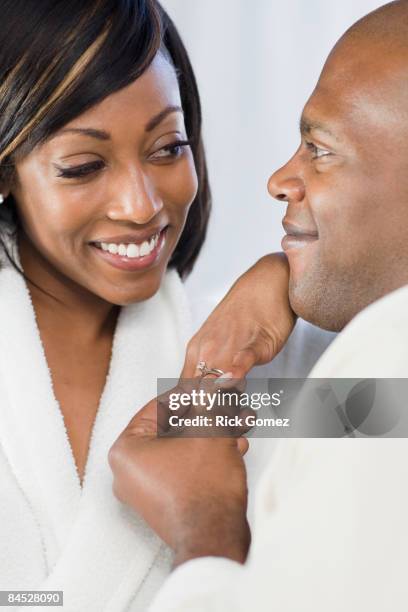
(59,58)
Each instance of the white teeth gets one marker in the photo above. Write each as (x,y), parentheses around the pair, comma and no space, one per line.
(144,249)
(132,250)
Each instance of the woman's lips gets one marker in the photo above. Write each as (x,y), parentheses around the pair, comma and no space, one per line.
(132,263)
(297,241)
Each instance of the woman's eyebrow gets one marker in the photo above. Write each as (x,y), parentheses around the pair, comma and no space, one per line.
(154,121)
(99,134)
(103,135)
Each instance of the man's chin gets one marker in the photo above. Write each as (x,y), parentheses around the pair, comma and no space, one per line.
(316,308)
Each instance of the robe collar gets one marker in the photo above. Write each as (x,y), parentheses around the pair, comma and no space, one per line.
(86,527)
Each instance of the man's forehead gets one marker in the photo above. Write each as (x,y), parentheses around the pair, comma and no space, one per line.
(373,127)
(364,82)
(345,102)
(309,124)
(360,79)
(320,116)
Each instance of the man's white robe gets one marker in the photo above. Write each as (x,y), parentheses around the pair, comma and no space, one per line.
(330,514)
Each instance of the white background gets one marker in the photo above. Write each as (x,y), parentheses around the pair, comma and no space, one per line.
(256,63)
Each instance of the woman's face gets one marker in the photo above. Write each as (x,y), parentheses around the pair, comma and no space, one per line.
(105,199)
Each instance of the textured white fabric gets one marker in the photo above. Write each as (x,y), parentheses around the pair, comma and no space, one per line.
(305,346)
(330,526)
(373,345)
(53,533)
(301,352)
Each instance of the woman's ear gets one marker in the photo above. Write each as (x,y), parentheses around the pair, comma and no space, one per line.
(4,191)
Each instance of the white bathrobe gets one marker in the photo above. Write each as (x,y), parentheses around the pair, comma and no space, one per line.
(330,532)
(53,533)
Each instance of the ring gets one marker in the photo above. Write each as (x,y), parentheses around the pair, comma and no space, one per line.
(202,366)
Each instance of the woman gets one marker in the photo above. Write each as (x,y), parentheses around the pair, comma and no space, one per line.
(104,206)
(105,203)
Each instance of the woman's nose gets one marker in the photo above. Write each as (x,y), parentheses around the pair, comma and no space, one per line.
(135,199)
(286,186)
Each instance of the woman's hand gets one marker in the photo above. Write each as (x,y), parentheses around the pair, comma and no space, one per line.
(250,325)
(191,491)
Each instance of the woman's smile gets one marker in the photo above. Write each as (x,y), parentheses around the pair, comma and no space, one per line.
(104,205)
(130,207)
(135,255)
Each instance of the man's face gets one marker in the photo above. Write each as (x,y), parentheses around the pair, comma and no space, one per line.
(347,187)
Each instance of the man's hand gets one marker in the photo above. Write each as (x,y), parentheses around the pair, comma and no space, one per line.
(250,325)
(191,491)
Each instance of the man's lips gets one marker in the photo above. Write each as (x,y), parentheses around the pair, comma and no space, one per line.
(297,237)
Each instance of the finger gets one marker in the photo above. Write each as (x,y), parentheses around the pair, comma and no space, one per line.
(154,416)
(243,445)
(190,362)
(215,353)
(246,427)
(228,381)
(244,361)
(145,420)
(169,403)
(202,350)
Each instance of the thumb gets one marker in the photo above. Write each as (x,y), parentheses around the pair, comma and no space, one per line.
(243,445)
(144,421)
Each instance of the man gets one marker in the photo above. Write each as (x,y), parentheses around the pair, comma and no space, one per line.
(330,527)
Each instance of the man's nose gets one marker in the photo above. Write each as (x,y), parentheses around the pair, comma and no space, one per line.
(135,199)
(286,185)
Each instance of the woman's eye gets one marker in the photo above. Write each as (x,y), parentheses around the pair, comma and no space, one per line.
(171,151)
(317,152)
(80,171)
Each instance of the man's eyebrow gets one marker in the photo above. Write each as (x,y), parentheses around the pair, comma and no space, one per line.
(154,121)
(306,126)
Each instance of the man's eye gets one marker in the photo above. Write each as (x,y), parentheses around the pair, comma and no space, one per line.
(317,152)
(171,151)
(80,171)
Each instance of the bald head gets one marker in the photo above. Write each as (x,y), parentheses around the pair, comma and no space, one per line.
(348,182)
(368,71)
(374,51)
(387,24)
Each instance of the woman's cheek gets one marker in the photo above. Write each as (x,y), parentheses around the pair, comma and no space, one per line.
(180,187)
(76,206)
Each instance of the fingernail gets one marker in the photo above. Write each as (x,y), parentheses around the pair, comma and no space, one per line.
(224,377)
